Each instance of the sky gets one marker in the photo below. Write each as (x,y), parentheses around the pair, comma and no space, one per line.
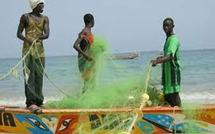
(128,25)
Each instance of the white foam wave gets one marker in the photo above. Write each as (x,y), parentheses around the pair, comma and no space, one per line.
(20,101)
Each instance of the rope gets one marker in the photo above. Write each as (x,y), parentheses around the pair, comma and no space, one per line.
(174,115)
(147,78)
(13,69)
(56,87)
(173,123)
(143,99)
(49,80)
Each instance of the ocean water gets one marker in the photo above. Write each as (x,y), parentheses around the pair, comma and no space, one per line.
(198,76)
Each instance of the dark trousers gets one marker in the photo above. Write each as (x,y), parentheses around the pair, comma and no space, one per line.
(173,99)
(34,68)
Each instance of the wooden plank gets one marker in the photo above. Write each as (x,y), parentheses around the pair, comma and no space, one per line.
(115,110)
(58,111)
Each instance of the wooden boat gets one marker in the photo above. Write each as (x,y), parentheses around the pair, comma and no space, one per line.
(113,121)
(125,56)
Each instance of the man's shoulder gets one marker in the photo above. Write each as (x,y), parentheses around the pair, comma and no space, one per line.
(24,17)
(25,14)
(174,42)
(44,16)
(85,31)
(174,39)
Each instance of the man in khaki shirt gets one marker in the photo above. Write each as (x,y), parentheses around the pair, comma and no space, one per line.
(36,27)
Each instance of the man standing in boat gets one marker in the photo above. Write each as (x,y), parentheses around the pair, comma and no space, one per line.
(36,27)
(171,77)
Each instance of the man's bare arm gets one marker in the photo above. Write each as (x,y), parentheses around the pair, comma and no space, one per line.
(76,46)
(21,27)
(161,59)
(46,29)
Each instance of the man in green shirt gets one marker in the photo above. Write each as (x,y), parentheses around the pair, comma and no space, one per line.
(170,65)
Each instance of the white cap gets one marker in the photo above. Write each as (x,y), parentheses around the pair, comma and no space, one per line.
(34,3)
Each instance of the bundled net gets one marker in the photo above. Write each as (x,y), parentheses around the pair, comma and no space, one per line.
(123,89)
(111,86)
(118,92)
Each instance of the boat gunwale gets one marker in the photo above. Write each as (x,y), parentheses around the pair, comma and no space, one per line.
(158,109)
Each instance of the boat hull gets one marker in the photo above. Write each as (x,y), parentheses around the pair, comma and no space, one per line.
(148,120)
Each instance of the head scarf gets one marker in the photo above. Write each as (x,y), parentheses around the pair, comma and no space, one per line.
(34,3)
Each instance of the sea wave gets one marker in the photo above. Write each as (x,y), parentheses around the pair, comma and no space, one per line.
(196,98)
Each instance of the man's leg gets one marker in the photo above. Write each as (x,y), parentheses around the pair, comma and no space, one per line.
(40,64)
(168,99)
(173,99)
(176,99)
(29,77)
(82,68)
(89,76)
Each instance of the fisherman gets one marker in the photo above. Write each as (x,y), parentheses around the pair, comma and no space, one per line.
(171,77)
(36,27)
(83,45)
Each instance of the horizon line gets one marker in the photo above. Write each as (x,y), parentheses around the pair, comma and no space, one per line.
(50,56)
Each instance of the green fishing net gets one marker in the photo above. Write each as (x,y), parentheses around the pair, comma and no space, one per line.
(117,93)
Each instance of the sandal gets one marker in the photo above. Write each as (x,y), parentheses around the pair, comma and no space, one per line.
(35,109)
